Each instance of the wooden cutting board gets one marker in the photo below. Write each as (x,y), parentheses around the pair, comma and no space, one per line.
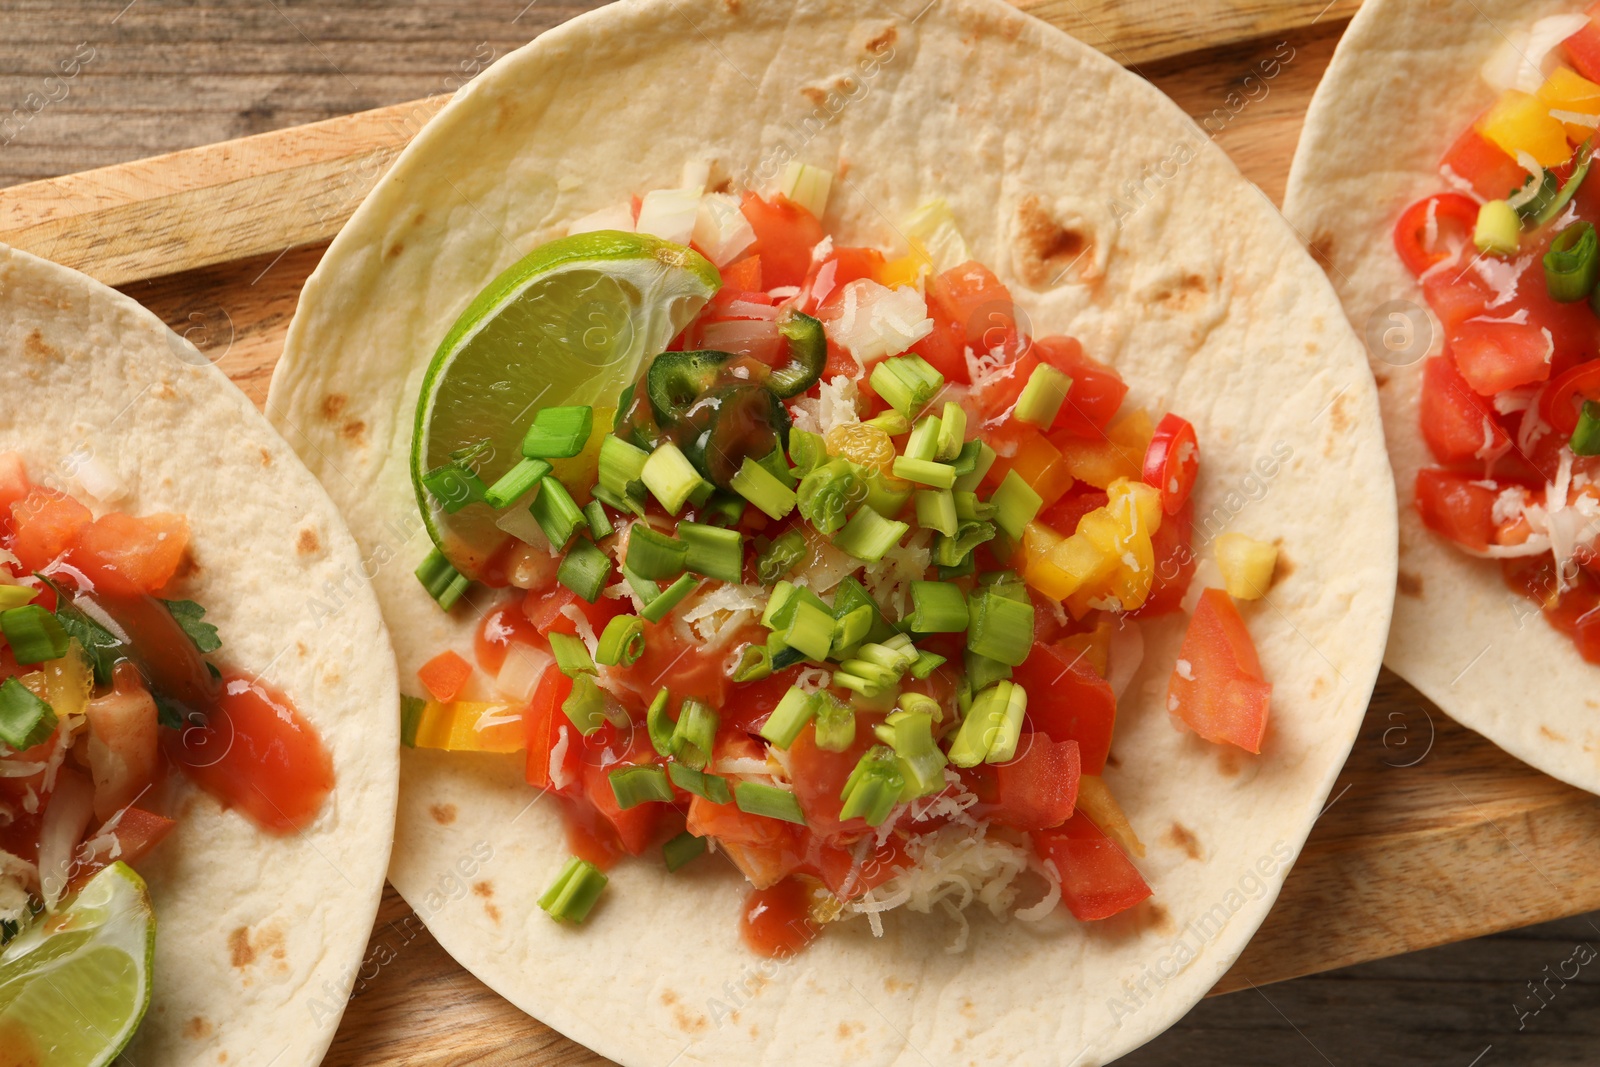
(1431,834)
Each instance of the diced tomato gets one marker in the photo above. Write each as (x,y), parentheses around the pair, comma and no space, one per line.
(841,267)
(1457,422)
(1039,788)
(1456,295)
(1063,515)
(1574,612)
(999,391)
(1036,461)
(1457,506)
(547,610)
(776,922)
(766,850)
(840,361)
(1559,404)
(1175,561)
(1096,392)
(545,720)
(590,836)
(137,833)
(1484,165)
(689,670)
(1583,47)
(444,675)
(1216,686)
(14,484)
(1068,701)
(977,302)
(743,276)
(1172,461)
(785,235)
(751,702)
(126,556)
(1097,878)
(46,524)
(1446,215)
(837,865)
(945,349)
(1495,356)
(635,826)
(819,777)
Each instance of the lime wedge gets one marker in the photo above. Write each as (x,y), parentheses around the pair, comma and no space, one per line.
(569,323)
(74,985)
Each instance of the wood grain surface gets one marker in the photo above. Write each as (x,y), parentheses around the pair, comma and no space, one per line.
(1432,834)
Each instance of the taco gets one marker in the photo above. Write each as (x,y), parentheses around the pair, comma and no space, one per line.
(826,471)
(1468,258)
(197,778)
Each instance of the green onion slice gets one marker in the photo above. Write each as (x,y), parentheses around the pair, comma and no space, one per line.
(669,598)
(1016,504)
(810,630)
(755,663)
(35,635)
(924,440)
(556,512)
(659,725)
(454,487)
(633,786)
(411,709)
(585,706)
(1586,435)
(762,488)
(516,483)
(25,720)
(925,472)
(1001,628)
(1573,263)
(874,786)
(572,895)
(835,722)
(1043,396)
(758,798)
(622,642)
(712,551)
(829,493)
(972,465)
(600,526)
(712,787)
(683,850)
(559,432)
(572,655)
(938,608)
(695,735)
(952,431)
(780,557)
(654,555)
(789,717)
(936,510)
(442,581)
(907,383)
(585,569)
(869,536)
(621,466)
(670,477)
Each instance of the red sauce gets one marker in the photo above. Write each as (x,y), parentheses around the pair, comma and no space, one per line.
(500,627)
(255,753)
(777,922)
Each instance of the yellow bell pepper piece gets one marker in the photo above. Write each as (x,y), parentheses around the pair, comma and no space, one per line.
(1120,454)
(1521,122)
(1246,565)
(1038,542)
(1039,463)
(469,726)
(909,269)
(1096,801)
(1566,90)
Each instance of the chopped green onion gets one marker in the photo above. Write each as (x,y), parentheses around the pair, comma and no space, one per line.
(1043,396)
(895,654)
(1001,628)
(907,383)
(835,722)
(670,597)
(851,628)
(920,703)
(632,503)
(970,509)
(454,487)
(937,608)
(776,465)
(982,459)
(585,569)
(1004,747)
(789,717)
(695,734)
(643,588)
(442,581)
(633,786)
(891,422)
(869,536)
(1586,435)
(1548,204)
(965,569)
(723,509)
(807,186)
(654,555)
(776,602)
(1007,584)
(713,787)
(925,472)
(921,763)
(670,477)
(1499,229)
(780,557)
(1573,263)
(599,524)
(927,663)
(659,724)
(713,551)
(887,496)
(849,595)
(981,671)
(984,727)
(874,787)
(863,685)
(952,430)
(781,654)
(515,483)
(572,895)
(763,489)
(755,663)
(622,643)
(758,798)
(25,720)
(829,493)
(572,655)
(35,635)
(866,673)
(924,440)
(585,706)
(556,512)
(936,510)
(810,630)
(807,451)
(558,433)
(786,600)
(1015,504)
(621,466)
(683,850)
(411,709)
(956,551)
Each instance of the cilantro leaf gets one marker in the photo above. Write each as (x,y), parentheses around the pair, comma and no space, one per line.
(190,617)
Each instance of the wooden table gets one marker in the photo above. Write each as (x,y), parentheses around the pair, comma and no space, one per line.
(1432,835)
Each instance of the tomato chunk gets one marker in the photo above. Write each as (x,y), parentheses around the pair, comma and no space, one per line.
(785,235)
(1495,356)
(46,524)
(1175,561)
(1216,687)
(1583,47)
(545,721)
(125,556)
(1068,701)
(1457,506)
(1097,878)
(636,826)
(1039,788)
(1096,392)
(1457,422)
(1484,165)
(971,298)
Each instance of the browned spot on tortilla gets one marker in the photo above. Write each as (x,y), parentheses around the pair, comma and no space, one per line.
(733,6)
(34,346)
(270,940)
(1160,917)
(1339,417)
(394,250)
(690,1023)
(1409,584)
(1321,249)
(1319,686)
(419,218)
(1381,379)
(443,814)
(493,913)
(307,543)
(266,458)
(239,949)
(1228,760)
(333,404)
(1112,760)
(1551,734)
(1185,293)
(1047,247)
(196,1028)
(818,97)
(967,1008)
(354,431)
(1180,836)
(844,168)
(884,40)
(1283,568)
(845,84)
(668,997)
(849,1030)
(163,391)
(724,186)
(222,1057)
(300,647)
(895,985)
(483,889)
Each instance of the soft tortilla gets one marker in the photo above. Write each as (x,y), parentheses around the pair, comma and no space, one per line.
(259,937)
(1031,137)
(1402,85)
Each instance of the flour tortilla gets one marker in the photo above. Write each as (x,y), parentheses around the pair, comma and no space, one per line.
(259,937)
(1203,301)
(1402,86)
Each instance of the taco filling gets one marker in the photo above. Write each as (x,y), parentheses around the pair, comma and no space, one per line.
(839,572)
(107,688)
(1508,258)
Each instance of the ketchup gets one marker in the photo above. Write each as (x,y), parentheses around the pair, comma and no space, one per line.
(777,920)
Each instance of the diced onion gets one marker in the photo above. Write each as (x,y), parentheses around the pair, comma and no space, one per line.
(1525,57)
(670,214)
(99,480)
(873,321)
(756,338)
(520,673)
(66,818)
(720,229)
